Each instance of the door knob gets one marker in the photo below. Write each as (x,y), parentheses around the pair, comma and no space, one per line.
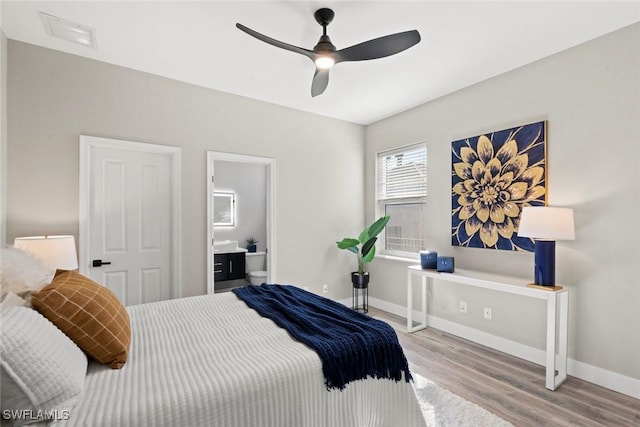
(100,263)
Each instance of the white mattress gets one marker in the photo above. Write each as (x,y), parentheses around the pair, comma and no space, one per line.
(212,361)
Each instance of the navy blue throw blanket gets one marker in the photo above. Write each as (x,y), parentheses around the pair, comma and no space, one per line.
(351,345)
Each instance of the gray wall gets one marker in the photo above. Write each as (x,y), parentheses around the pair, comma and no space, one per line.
(54,97)
(249,183)
(589,95)
(3,138)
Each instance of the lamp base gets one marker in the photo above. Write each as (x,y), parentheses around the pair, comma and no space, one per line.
(545,287)
(545,263)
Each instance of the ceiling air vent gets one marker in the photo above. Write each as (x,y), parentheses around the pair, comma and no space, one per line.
(70,31)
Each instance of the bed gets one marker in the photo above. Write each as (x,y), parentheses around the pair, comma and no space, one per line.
(211,360)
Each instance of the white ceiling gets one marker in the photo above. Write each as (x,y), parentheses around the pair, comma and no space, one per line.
(197,42)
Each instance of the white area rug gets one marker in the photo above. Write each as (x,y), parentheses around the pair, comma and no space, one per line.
(442,408)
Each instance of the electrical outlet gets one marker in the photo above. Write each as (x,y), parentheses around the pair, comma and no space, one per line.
(487,313)
(325,288)
(463,307)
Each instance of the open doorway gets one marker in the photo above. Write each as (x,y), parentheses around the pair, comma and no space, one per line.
(240,194)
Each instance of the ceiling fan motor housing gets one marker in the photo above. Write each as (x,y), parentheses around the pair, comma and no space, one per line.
(324,45)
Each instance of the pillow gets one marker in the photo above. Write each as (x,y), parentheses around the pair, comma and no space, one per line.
(11,300)
(41,368)
(90,314)
(21,273)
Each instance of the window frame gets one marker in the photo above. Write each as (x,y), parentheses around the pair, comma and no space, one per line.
(382,203)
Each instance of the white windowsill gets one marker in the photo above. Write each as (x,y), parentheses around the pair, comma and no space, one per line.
(415,260)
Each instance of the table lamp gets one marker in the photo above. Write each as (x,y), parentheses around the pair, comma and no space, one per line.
(54,252)
(545,225)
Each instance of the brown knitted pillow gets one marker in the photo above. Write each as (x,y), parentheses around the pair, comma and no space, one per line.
(90,314)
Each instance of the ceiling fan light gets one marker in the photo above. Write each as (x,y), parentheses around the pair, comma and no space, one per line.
(325,62)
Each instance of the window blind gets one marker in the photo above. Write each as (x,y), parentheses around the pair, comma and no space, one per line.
(402,173)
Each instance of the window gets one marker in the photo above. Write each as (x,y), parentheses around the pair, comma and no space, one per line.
(401,193)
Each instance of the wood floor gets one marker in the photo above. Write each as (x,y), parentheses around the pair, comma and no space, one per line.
(510,387)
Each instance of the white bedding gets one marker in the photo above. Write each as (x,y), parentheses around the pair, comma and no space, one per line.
(212,361)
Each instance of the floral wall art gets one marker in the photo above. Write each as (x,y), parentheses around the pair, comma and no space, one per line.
(493,176)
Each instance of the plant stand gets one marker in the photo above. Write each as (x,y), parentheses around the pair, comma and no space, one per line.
(359,292)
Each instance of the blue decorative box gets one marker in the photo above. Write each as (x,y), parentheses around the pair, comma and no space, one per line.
(445,264)
(428,260)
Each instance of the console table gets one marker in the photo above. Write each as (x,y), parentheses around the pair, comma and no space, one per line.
(557,331)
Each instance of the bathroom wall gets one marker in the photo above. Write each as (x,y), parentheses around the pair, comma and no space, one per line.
(249,183)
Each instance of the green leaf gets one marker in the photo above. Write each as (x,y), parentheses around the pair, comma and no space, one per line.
(347,243)
(378,226)
(369,247)
(371,254)
(353,249)
(364,236)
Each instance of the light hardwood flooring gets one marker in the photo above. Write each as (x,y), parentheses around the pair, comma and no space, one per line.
(228,285)
(510,387)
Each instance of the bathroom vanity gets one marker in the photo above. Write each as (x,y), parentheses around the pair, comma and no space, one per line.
(231,262)
(229,266)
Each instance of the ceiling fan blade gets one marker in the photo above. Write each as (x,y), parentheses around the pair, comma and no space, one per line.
(378,48)
(277,43)
(320,81)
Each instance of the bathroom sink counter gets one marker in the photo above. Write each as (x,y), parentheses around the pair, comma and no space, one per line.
(229,251)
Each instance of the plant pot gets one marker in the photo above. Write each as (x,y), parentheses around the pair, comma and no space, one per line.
(360,281)
(251,248)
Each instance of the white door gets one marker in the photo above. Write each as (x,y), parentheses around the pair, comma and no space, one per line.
(130,219)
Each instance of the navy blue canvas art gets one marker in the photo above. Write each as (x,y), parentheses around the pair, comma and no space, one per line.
(493,176)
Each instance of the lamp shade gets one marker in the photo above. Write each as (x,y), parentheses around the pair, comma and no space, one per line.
(55,252)
(547,223)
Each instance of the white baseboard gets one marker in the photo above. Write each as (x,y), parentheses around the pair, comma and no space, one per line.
(602,377)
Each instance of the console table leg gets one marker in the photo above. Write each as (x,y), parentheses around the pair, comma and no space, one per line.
(563,333)
(409,303)
(424,301)
(423,309)
(551,341)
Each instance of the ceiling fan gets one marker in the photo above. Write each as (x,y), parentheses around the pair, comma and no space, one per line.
(325,55)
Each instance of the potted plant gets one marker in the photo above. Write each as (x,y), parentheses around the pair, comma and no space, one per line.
(365,248)
(251,244)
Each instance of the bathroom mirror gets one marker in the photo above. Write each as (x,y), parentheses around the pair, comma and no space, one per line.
(224,209)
